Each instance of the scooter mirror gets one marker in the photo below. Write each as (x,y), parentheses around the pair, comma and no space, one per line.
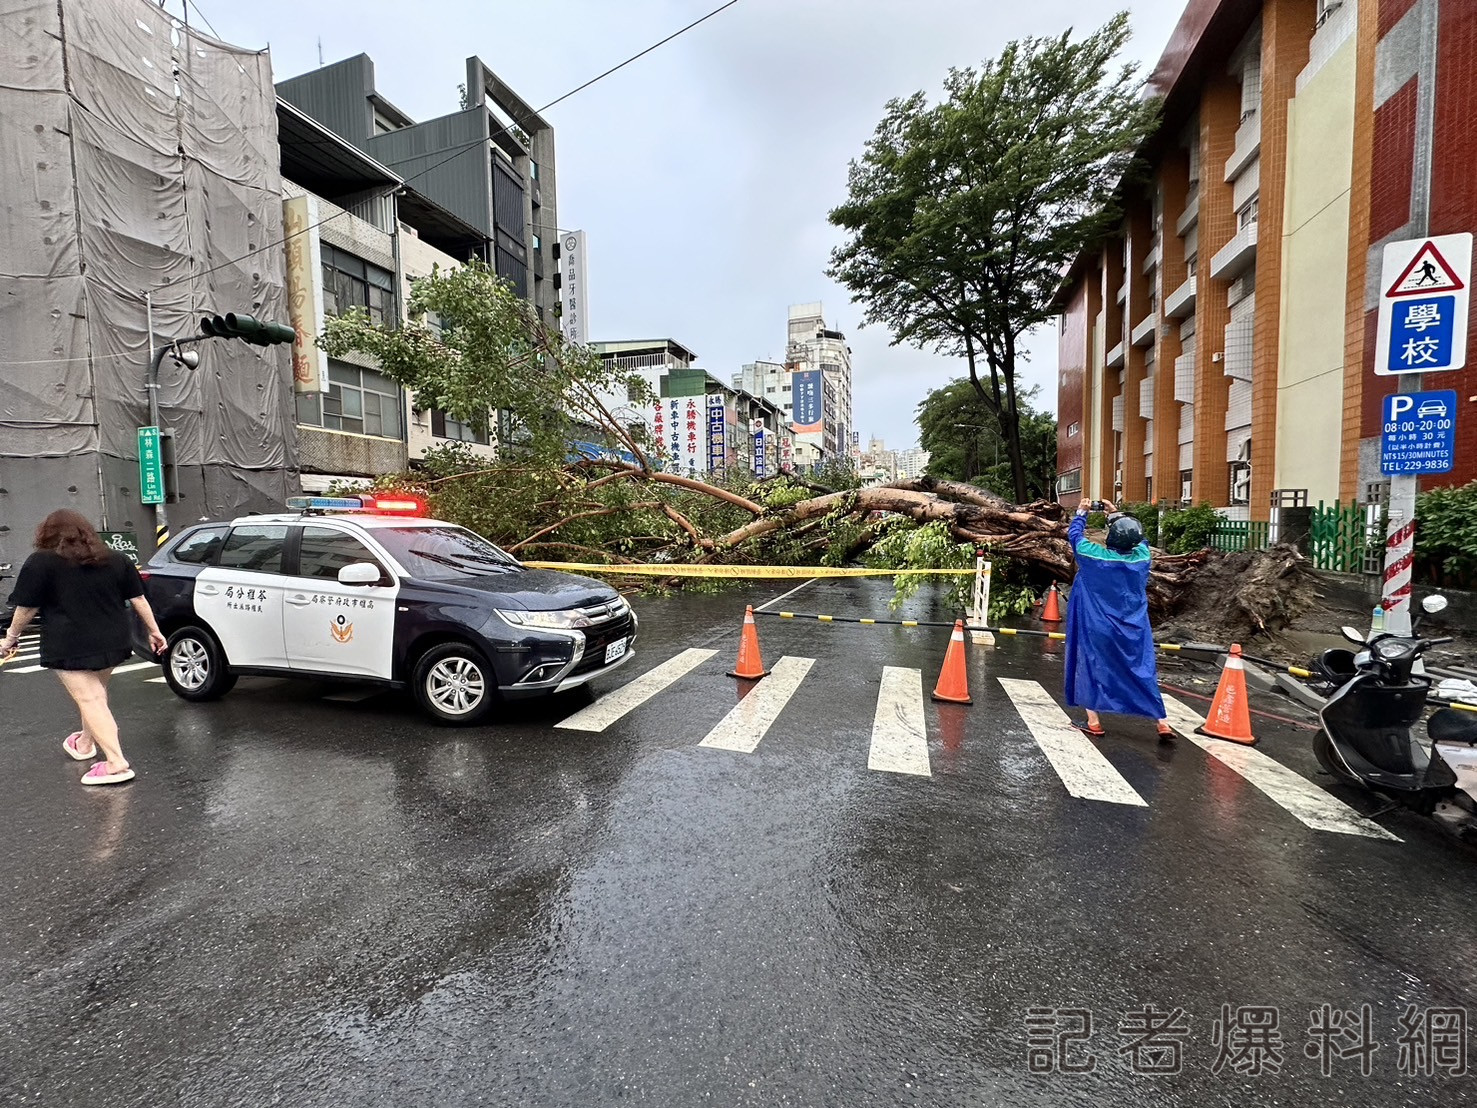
(1433,604)
(1353,635)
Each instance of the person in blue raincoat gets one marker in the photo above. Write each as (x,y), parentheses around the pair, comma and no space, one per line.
(1110,646)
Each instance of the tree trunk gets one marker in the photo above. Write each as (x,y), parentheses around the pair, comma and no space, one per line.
(1011,423)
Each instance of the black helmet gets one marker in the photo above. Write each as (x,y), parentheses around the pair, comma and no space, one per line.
(1124,533)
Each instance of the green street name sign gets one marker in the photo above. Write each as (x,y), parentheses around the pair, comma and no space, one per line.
(150,467)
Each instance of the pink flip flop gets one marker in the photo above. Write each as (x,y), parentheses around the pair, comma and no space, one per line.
(99,774)
(69,744)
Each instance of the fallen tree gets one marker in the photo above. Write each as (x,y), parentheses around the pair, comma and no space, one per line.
(471,347)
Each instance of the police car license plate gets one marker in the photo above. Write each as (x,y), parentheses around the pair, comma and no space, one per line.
(615,650)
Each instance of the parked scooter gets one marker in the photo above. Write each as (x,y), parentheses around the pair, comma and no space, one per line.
(1368,736)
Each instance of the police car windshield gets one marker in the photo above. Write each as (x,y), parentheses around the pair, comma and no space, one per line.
(444,553)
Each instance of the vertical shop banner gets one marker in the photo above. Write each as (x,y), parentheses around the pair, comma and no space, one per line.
(573,320)
(304,292)
(659,429)
(717,435)
(761,469)
(787,453)
(809,406)
(694,456)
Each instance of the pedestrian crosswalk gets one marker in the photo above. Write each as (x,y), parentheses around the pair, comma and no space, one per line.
(899,740)
(899,737)
(27,659)
(1085,772)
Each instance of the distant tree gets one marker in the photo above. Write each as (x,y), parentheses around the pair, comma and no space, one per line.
(964,442)
(958,430)
(962,215)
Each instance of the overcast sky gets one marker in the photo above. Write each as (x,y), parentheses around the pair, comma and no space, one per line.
(703,172)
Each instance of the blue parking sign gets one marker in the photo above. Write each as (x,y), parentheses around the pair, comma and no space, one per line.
(1418,433)
(1421,334)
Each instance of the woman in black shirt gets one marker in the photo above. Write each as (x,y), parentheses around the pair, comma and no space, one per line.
(83,591)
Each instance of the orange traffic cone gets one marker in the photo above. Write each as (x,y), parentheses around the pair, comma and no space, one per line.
(1051,609)
(953,683)
(1230,715)
(749,665)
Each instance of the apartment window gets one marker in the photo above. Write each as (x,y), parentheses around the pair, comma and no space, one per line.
(1069,482)
(538,243)
(533,169)
(350,282)
(1073,429)
(359,401)
(1187,477)
(1190,265)
(444,426)
(1248,214)
(1149,490)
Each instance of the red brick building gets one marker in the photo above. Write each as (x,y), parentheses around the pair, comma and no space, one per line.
(1220,347)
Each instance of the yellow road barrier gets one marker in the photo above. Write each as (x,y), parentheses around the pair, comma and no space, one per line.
(687,569)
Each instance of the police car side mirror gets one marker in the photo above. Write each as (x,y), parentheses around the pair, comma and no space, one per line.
(359,573)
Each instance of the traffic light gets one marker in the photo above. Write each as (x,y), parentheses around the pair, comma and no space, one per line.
(258,332)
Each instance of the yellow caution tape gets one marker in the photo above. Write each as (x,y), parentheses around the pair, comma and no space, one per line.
(684,569)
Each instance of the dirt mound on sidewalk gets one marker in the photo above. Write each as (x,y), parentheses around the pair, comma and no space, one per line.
(1253,592)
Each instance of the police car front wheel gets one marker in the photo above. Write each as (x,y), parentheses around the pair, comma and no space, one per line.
(455,684)
(195,667)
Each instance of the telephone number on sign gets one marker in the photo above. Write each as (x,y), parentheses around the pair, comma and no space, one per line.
(1418,465)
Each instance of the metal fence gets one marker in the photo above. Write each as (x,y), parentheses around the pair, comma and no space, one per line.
(1339,539)
(1232,536)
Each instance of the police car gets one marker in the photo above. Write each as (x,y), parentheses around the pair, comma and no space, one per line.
(368,589)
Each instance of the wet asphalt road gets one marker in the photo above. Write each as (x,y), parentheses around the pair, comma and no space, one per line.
(326,902)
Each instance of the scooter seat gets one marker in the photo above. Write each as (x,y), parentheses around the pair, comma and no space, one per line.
(1448,725)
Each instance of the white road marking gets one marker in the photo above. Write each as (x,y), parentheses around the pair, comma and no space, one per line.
(25,658)
(1310,804)
(630,696)
(752,716)
(23,669)
(786,596)
(134,666)
(1081,765)
(899,735)
(154,680)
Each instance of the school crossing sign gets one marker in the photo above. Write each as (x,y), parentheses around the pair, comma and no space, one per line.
(1424,290)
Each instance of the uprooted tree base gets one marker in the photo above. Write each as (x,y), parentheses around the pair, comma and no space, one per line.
(611,511)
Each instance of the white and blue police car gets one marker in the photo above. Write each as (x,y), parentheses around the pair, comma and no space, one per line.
(365,588)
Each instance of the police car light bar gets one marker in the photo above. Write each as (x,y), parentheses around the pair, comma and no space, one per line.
(382,505)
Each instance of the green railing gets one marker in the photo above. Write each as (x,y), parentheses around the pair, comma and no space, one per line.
(1338,539)
(1232,536)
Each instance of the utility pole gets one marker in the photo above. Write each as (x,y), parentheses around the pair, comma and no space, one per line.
(1400,531)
